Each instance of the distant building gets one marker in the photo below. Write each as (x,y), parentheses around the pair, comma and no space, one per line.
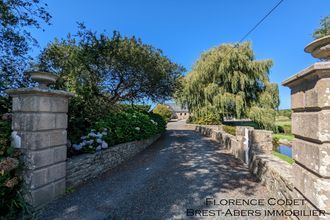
(177,111)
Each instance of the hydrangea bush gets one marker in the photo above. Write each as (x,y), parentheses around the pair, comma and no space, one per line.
(94,141)
(131,125)
(120,127)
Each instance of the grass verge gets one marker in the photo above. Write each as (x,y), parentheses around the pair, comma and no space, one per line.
(283,157)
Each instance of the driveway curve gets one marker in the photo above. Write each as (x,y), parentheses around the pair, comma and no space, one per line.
(169,180)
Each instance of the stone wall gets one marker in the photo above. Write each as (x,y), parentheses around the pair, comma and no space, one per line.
(271,171)
(87,166)
(276,175)
(260,141)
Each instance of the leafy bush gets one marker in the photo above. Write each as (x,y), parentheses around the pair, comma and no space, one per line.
(120,127)
(5,105)
(163,111)
(11,200)
(92,142)
(286,129)
(229,129)
(139,108)
(285,113)
(84,113)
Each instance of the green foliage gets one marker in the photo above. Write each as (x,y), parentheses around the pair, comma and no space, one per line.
(126,126)
(288,137)
(163,111)
(227,81)
(116,68)
(206,119)
(229,129)
(324,28)
(5,105)
(105,72)
(283,121)
(17,19)
(12,204)
(83,113)
(285,113)
(135,107)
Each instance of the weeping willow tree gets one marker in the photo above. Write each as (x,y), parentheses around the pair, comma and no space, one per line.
(227,81)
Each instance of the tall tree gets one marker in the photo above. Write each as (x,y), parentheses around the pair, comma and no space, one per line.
(324,28)
(116,68)
(16,17)
(228,81)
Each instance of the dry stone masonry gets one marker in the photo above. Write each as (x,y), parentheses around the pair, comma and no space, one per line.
(88,166)
(310,101)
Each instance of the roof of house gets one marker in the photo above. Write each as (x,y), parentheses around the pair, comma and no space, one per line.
(176,108)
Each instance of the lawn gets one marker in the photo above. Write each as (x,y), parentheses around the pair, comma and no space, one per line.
(283,157)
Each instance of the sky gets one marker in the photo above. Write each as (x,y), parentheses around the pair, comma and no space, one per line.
(184,29)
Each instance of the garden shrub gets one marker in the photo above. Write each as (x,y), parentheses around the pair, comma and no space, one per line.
(12,203)
(163,111)
(119,127)
(83,113)
(286,129)
(93,141)
(130,125)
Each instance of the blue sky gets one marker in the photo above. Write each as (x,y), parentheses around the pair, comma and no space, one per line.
(184,29)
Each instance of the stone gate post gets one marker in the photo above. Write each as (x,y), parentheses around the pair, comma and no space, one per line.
(310,101)
(39,126)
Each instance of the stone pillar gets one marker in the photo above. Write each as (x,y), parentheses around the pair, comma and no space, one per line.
(310,101)
(39,124)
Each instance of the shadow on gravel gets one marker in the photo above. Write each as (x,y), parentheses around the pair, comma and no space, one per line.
(176,173)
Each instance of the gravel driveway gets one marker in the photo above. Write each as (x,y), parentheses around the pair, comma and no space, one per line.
(176,173)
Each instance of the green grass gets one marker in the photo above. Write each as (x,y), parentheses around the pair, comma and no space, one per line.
(283,157)
(288,137)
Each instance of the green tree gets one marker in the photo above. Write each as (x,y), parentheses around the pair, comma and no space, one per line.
(324,28)
(227,81)
(105,71)
(116,68)
(163,111)
(17,17)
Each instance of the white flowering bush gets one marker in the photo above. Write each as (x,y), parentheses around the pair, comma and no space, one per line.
(131,125)
(119,127)
(93,142)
